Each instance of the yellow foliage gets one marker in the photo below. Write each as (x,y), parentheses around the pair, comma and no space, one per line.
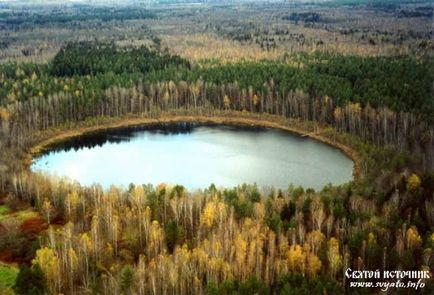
(47,259)
(138,195)
(315,239)
(194,90)
(209,214)
(413,183)
(86,242)
(108,251)
(247,223)
(255,99)
(259,210)
(355,107)
(12,97)
(166,96)
(413,238)
(295,258)
(19,72)
(333,255)
(226,101)
(46,207)
(156,235)
(211,211)
(240,249)
(371,238)
(73,259)
(4,114)
(197,47)
(152,264)
(34,77)
(313,265)
(172,85)
(74,199)
(337,113)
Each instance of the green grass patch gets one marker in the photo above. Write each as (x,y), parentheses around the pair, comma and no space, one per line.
(23,215)
(8,275)
(3,211)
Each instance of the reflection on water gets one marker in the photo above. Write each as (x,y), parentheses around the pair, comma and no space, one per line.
(195,156)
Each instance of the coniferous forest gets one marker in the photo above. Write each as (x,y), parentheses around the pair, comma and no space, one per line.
(357,75)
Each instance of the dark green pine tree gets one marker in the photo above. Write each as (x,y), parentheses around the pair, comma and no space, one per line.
(30,281)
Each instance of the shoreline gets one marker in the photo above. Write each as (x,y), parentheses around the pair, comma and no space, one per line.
(233,119)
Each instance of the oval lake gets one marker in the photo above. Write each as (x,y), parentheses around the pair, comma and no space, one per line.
(196,155)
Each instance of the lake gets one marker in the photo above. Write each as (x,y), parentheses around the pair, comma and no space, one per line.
(196,155)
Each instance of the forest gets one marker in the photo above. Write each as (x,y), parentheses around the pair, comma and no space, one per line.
(345,78)
(60,237)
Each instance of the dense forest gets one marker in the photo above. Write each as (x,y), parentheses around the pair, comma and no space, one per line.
(145,240)
(357,74)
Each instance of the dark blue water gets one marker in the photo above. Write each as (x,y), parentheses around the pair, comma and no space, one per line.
(196,156)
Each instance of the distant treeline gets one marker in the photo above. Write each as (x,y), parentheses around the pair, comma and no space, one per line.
(422,12)
(379,4)
(81,13)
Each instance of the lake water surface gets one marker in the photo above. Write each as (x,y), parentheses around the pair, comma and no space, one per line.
(195,156)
